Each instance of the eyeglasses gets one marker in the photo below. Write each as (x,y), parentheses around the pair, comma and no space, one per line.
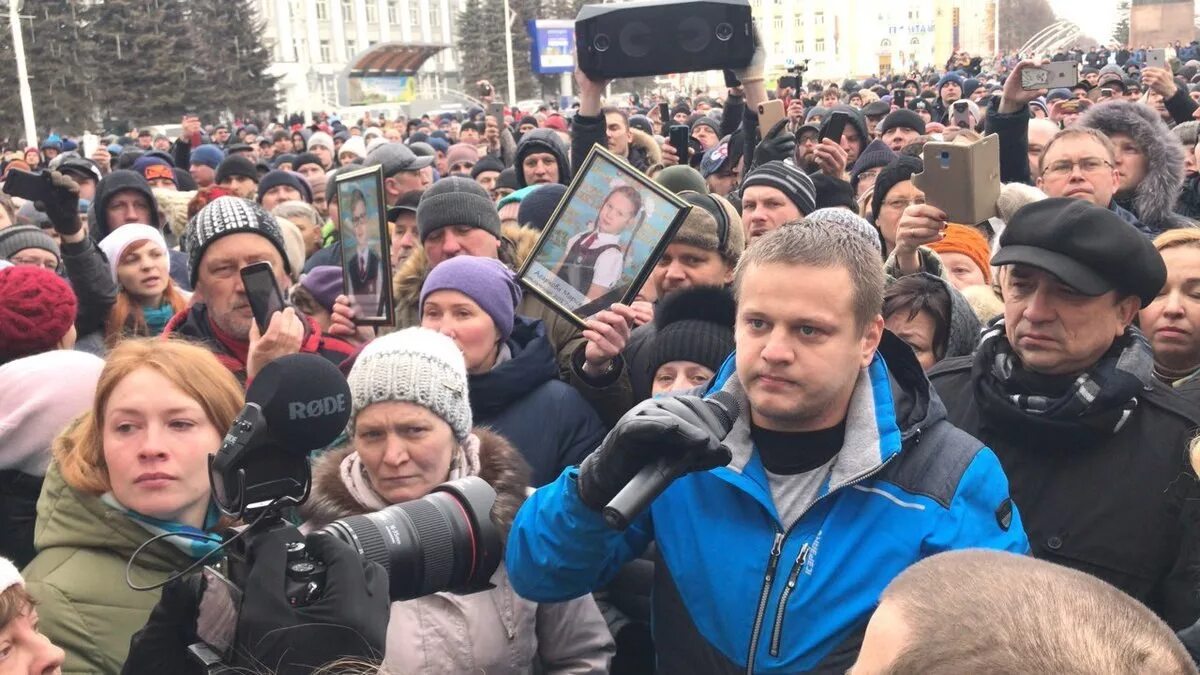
(901,204)
(35,262)
(1064,167)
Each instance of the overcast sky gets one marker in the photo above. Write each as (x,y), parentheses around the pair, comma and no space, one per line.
(1096,18)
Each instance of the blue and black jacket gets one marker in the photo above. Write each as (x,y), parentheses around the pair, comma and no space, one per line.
(737,591)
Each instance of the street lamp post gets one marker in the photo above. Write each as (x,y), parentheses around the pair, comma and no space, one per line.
(14,20)
(512,79)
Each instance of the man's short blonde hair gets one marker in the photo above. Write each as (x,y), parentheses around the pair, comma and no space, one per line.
(983,611)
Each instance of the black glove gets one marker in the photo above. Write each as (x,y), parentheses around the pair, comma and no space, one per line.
(779,144)
(161,646)
(679,427)
(349,620)
(63,208)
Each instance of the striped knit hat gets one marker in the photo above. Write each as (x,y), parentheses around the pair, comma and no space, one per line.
(230,215)
(415,365)
(789,180)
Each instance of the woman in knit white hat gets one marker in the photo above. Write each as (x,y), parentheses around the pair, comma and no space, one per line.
(23,649)
(147,297)
(410,430)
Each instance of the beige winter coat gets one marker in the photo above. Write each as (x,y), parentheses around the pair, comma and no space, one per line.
(495,632)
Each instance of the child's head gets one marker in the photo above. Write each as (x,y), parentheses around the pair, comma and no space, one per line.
(619,210)
(22,648)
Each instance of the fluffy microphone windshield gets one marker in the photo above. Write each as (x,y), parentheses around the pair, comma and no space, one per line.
(305,400)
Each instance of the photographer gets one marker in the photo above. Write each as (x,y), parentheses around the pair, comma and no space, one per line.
(347,623)
(410,430)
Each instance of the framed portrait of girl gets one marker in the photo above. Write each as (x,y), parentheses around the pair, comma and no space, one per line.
(603,239)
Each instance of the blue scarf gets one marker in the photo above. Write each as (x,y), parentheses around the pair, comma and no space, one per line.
(195,543)
(157,318)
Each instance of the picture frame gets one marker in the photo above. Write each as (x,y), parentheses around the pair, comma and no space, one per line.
(603,240)
(366,269)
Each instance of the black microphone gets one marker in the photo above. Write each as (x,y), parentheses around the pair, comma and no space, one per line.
(649,483)
(304,399)
(298,403)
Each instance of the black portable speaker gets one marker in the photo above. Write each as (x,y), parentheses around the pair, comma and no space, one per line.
(657,37)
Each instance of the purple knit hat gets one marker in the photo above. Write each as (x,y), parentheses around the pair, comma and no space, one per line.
(324,282)
(485,280)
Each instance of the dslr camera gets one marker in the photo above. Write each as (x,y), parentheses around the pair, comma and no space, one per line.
(445,541)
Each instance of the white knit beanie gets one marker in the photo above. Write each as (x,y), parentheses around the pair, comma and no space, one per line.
(9,576)
(416,365)
(120,239)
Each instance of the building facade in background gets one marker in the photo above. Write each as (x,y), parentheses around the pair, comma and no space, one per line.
(872,37)
(313,41)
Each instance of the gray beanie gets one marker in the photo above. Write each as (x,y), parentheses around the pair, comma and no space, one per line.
(21,237)
(415,365)
(230,215)
(456,201)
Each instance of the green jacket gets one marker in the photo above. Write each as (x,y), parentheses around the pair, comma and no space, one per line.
(78,576)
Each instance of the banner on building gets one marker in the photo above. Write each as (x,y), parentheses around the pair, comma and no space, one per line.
(552,42)
(371,90)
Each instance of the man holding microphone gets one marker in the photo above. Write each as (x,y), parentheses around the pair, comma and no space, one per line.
(823,469)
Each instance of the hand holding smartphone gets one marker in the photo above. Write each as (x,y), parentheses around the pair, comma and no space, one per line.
(835,127)
(770,113)
(34,186)
(680,135)
(262,292)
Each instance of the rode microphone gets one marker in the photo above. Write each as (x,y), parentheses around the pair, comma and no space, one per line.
(296,404)
(649,483)
(304,399)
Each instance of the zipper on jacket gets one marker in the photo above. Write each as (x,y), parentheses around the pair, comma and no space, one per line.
(777,634)
(772,563)
(777,631)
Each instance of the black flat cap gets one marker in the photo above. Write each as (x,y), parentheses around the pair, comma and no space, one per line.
(1088,247)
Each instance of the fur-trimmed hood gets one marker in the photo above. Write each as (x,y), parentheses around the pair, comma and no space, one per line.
(516,243)
(1153,201)
(649,147)
(500,465)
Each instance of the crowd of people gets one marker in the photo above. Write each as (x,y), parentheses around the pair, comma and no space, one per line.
(952,447)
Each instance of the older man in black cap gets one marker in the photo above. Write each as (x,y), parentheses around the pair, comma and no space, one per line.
(1062,388)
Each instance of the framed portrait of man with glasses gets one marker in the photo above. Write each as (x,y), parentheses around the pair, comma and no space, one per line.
(363,233)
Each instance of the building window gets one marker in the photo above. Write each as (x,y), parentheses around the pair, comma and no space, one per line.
(885,43)
(799,47)
(351,48)
(322,10)
(347,10)
(778,23)
(325,52)
(799,21)
(819,45)
(435,20)
(393,12)
(372,12)
(819,19)
(414,16)
(915,41)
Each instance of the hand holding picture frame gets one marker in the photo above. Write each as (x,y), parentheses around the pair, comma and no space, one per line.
(603,240)
(363,232)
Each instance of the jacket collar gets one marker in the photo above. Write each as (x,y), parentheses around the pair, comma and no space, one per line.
(892,402)
(532,365)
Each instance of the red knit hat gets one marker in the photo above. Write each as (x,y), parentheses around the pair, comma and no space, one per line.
(969,242)
(37,308)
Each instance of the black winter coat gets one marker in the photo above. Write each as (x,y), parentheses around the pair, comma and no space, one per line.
(523,400)
(1118,509)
